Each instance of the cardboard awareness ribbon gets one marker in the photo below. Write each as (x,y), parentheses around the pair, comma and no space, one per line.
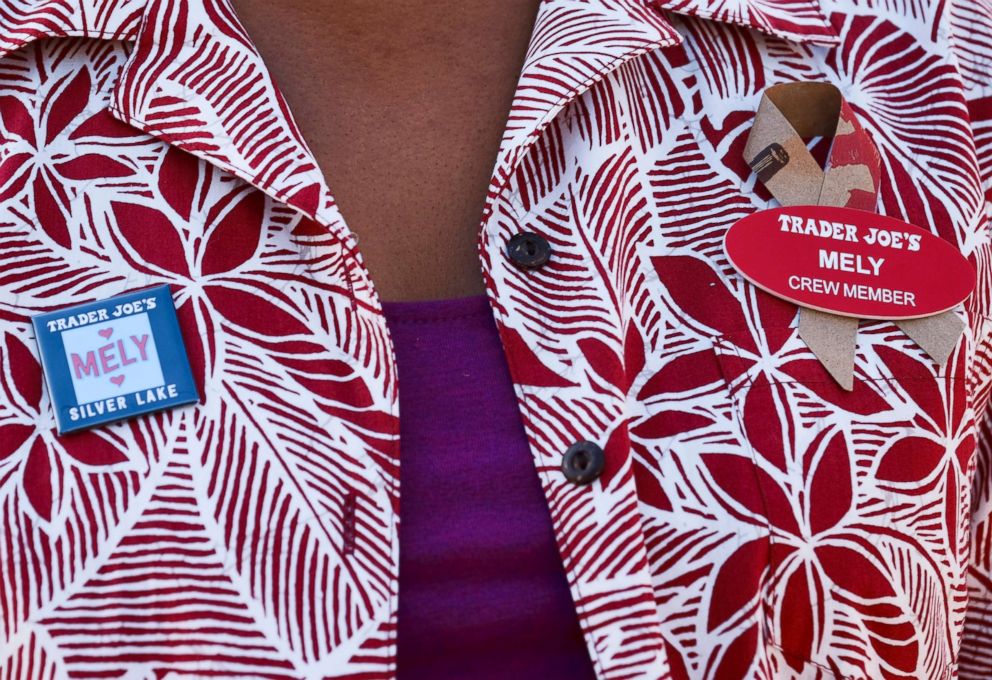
(775,150)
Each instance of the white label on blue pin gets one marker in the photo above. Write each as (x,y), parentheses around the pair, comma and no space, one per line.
(114,359)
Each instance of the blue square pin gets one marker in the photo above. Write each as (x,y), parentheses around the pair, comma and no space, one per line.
(113,359)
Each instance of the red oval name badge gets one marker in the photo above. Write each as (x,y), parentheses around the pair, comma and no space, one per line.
(849,262)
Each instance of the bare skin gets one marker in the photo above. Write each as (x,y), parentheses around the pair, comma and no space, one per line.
(403,103)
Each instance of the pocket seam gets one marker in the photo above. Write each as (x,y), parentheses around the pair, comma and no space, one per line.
(726,348)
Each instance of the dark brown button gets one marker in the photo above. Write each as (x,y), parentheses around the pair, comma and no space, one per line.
(583,462)
(528,250)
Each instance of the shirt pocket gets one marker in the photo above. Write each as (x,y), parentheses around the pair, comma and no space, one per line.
(863,495)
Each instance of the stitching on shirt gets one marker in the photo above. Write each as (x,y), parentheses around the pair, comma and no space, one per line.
(897,378)
(349,511)
(107,35)
(394,540)
(820,39)
(734,351)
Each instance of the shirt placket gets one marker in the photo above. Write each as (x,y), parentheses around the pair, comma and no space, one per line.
(611,600)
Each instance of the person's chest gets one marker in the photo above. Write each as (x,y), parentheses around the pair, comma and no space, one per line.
(740,485)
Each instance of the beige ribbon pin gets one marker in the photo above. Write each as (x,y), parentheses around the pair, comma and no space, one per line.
(776,152)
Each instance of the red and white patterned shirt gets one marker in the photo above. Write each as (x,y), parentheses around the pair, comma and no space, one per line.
(753,520)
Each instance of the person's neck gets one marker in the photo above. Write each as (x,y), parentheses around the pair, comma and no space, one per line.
(404,104)
(388,39)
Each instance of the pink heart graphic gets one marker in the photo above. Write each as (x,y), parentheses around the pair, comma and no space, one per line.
(117,379)
(106,333)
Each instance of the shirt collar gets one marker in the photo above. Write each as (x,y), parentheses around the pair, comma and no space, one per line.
(195,80)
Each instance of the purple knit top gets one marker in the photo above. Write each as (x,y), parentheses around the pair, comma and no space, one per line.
(482,591)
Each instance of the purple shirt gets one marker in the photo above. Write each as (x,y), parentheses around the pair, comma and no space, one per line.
(482,591)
